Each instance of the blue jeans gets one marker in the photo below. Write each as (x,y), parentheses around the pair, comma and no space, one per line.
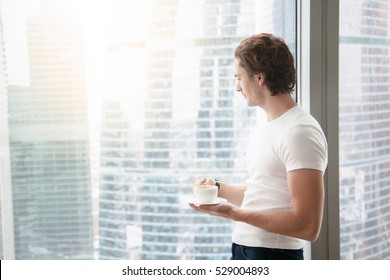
(240,252)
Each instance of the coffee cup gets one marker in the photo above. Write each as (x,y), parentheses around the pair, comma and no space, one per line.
(205,193)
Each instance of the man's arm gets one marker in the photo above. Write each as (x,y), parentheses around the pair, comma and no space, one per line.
(233,194)
(303,221)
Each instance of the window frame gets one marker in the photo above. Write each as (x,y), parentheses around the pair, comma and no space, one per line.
(318,80)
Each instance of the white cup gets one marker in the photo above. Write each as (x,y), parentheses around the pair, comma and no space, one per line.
(205,194)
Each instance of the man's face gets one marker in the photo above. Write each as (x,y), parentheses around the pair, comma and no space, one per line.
(248,85)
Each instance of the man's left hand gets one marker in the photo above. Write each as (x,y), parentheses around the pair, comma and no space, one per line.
(221,210)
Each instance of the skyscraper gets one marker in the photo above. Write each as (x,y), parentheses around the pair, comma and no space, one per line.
(220,123)
(186,125)
(49,143)
(6,213)
(364,129)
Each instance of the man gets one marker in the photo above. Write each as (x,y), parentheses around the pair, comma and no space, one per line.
(282,202)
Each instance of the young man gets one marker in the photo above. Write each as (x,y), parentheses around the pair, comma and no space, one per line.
(282,202)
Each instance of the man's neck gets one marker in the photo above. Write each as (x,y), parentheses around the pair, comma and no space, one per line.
(278,105)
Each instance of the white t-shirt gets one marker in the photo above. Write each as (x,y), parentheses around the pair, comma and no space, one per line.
(293,141)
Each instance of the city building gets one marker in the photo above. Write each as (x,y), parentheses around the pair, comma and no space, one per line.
(189,126)
(48,142)
(364,129)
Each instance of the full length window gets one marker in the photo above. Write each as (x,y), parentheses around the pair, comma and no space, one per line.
(111,110)
(365,129)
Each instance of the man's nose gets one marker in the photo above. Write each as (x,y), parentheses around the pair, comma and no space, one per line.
(238,87)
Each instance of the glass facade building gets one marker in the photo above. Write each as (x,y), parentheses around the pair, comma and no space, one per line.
(48,136)
(365,129)
(4,147)
(188,127)
(175,118)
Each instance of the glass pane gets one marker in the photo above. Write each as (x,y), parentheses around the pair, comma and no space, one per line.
(114,109)
(365,129)
(48,142)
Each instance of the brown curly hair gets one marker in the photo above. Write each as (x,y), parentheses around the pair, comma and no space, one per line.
(268,54)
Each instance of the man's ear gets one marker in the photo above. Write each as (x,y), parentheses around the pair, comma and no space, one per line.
(260,78)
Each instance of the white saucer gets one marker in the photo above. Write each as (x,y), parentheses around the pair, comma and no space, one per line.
(217,201)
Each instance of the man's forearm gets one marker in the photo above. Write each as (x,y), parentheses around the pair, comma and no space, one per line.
(280,222)
(234,194)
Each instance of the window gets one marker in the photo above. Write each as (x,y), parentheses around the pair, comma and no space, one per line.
(114,109)
(364,107)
